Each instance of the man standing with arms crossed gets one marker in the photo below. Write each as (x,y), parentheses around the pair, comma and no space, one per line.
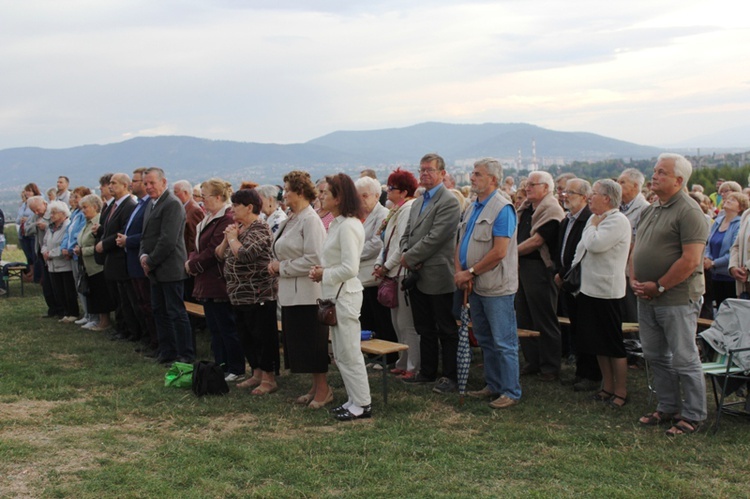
(487,256)
(427,246)
(667,277)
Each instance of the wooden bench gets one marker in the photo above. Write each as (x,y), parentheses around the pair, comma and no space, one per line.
(522,333)
(627,327)
(378,348)
(13,271)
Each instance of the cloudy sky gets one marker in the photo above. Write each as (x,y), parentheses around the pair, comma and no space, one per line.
(655,72)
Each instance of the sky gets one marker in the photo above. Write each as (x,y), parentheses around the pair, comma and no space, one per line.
(653,72)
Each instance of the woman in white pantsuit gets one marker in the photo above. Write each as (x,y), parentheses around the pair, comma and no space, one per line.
(340,265)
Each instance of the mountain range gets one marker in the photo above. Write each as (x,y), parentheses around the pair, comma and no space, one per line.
(195,159)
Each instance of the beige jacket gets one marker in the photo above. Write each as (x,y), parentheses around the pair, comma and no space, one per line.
(739,255)
(298,247)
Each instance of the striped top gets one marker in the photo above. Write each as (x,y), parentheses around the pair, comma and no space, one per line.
(248,280)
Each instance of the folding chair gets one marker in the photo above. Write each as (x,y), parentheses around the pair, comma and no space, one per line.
(730,337)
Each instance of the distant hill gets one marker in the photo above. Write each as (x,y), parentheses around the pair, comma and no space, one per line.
(195,159)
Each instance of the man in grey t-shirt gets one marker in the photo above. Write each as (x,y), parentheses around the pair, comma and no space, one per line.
(667,277)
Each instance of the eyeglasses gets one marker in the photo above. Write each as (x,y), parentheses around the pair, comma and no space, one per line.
(570,193)
(393,188)
(428,170)
(532,184)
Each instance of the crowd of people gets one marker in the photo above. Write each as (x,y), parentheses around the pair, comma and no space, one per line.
(651,253)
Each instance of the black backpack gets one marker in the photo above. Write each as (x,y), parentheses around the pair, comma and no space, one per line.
(208,379)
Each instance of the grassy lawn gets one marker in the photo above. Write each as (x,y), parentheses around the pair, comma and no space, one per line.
(83,416)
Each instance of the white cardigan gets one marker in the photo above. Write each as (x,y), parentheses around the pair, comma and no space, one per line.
(340,258)
(603,266)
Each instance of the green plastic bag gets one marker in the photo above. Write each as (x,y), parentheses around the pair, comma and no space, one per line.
(179,375)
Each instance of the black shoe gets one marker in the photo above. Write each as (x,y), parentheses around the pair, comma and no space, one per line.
(445,385)
(571,381)
(526,370)
(164,360)
(151,354)
(418,380)
(348,416)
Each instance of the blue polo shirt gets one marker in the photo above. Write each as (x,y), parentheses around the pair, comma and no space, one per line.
(428,195)
(504,226)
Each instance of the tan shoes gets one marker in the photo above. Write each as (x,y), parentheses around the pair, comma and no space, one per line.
(503,402)
(484,393)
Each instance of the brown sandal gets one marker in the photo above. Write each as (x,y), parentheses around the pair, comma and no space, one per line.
(656,418)
(683,427)
(248,383)
(265,388)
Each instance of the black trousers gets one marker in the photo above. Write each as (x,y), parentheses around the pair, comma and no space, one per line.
(437,329)
(536,309)
(377,317)
(587,367)
(64,288)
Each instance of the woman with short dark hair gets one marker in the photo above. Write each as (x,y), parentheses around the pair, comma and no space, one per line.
(338,275)
(246,253)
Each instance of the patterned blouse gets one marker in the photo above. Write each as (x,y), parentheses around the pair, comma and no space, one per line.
(248,280)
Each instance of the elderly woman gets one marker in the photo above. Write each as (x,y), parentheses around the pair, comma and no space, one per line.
(70,240)
(59,265)
(603,256)
(271,211)
(246,252)
(209,287)
(720,240)
(374,316)
(98,301)
(338,273)
(739,258)
(296,248)
(401,187)
(27,240)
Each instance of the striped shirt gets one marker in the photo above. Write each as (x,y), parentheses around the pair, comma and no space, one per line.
(248,280)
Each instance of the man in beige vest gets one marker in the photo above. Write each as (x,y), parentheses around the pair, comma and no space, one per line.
(487,257)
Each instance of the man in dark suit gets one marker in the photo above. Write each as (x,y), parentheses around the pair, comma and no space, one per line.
(140,287)
(575,197)
(427,245)
(115,264)
(163,257)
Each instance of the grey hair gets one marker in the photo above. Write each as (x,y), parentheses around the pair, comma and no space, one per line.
(184,186)
(368,184)
(268,191)
(545,178)
(732,186)
(34,200)
(493,168)
(565,176)
(92,200)
(583,186)
(59,207)
(635,176)
(682,167)
(611,189)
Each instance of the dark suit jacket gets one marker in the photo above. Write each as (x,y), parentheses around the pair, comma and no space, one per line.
(563,265)
(194,214)
(163,239)
(101,257)
(115,262)
(133,241)
(429,240)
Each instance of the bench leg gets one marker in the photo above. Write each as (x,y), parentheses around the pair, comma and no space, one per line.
(382,360)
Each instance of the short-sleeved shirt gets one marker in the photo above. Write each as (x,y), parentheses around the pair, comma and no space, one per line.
(662,231)
(548,232)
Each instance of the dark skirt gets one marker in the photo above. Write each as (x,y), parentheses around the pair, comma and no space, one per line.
(599,327)
(305,339)
(98,300)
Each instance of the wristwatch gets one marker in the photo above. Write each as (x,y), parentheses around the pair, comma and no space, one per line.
(471,271)
(661,289)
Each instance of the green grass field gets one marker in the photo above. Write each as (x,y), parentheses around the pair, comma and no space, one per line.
(82,416)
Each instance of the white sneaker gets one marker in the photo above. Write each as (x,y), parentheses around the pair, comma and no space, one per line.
(81,321)
(90,325)
(231,377)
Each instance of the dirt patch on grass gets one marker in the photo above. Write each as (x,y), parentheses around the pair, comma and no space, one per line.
(67,361)
(28,409)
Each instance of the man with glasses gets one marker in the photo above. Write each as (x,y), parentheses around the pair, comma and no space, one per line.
(536,301)
(427,247)
(576,195)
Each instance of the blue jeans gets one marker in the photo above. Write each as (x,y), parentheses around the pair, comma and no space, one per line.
(225,342)
(172,324)
(494,322)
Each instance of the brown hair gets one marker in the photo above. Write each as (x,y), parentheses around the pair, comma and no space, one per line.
(341,186)
(82,191)
(300,183)
(33,188)
(741,200)
(218,187)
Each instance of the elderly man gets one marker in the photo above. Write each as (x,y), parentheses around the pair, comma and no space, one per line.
(115,260)
(487,257)
(162,257)
(667,276)
(561,181)
(536,300)
(37,226)
(193,211)
(576,197)
(632,205)
(63,194)
(427,247)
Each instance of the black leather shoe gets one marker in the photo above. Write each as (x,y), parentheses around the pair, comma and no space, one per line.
(348,416)
(418,380)
(339,409)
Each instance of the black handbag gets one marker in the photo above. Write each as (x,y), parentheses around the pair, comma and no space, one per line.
(82,283)
(572,279)
(327,310)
